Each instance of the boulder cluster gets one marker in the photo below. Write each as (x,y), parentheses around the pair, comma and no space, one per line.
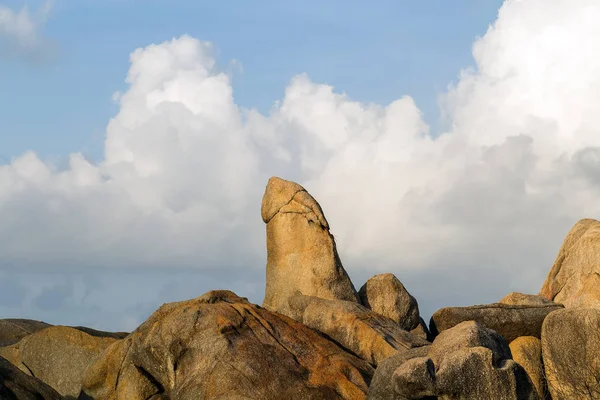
(316,337)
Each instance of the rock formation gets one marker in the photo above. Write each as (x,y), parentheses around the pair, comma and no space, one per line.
(57,355)
(510,321)
(467,362)
(522,299)
(301,253)
(369,335)
(317,338)
(571,353)
(387,296)
(219,346)
(527,352)
(16,385)
(574,279)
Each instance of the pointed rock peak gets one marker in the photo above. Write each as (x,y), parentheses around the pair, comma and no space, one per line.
(301,253)
(287,196)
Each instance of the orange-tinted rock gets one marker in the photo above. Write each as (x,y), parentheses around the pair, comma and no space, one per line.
(301,253)
(219,346)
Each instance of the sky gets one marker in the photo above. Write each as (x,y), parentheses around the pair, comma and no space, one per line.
(453,145)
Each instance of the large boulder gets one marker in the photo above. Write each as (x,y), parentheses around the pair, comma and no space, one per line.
(58,356)
(301,253)
(219,346)
(527,352)
(387,296)
(574,279)
(12,329)
(522,299)
(510,321)
(16,385)
(571,353)
(467,362)
(367,334)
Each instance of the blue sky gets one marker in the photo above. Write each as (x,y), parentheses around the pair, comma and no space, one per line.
(112,205)
(373,52)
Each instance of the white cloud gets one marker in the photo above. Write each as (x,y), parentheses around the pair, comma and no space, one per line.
(20,31)
(185,167)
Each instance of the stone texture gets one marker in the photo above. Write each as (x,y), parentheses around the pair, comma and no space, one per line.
(13,330)
(574,279)
(57,355)
(510,321)
(301,253)
(387,296)
(16,385)
(219,346)
(422,331)
(367,334)
(527,352)
(467,362)
(522,299)
(382,385)
(570,351)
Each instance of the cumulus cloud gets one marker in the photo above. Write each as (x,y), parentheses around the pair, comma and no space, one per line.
(20,31)
(483,206)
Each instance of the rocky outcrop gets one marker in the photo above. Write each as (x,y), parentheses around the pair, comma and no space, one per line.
(387,296)
(510,321)
(369,335)
(13,330)
(57,355)
(574,279)
(527,352)
(15,384)
(301,253)
(467,362)
(570,349)
(219,346)
(522,299)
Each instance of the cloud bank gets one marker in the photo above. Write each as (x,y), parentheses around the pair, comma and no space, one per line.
(20,31)
(483,206)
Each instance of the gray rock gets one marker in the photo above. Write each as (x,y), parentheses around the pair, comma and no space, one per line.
(382,385)
(510,321)
(467,361)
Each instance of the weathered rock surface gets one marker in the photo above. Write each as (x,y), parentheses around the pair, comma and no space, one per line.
(574,279)
(510,321)
(387,296)
(16,385)
(522,299)
(422,331)
(101,334)
(57,355)
(382,385)
(12,329)
(467,361)
(527,352)
(219,346)
(570,350)
(301,253)
(367,334)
